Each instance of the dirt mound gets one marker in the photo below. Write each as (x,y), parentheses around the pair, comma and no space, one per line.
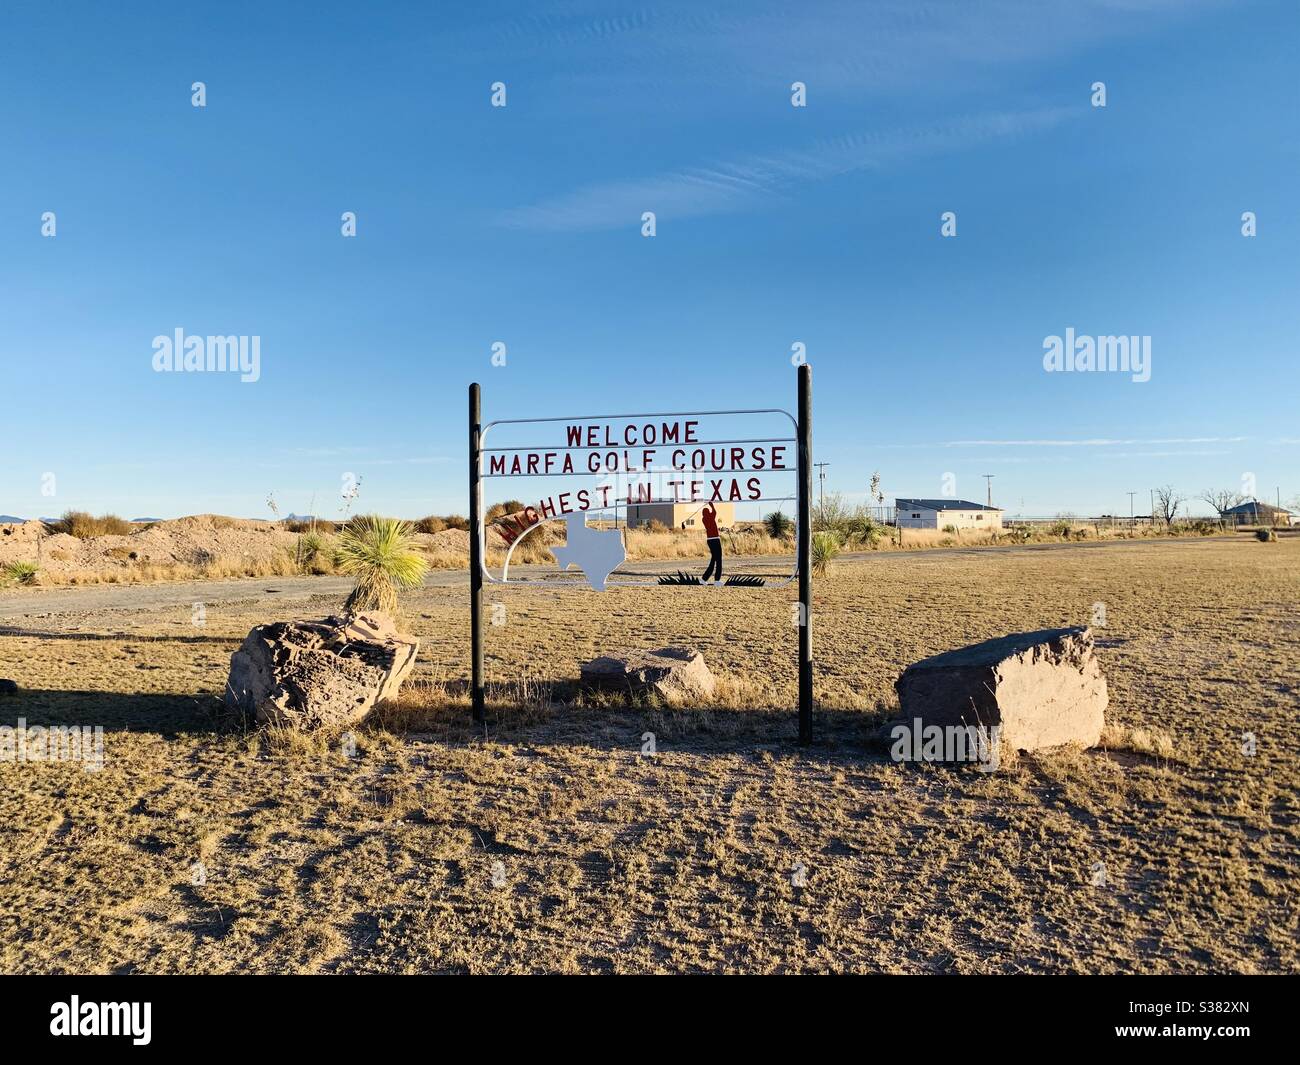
(194,542)
(455,540)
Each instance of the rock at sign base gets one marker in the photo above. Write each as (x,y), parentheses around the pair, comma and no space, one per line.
(313,674)
(675,674)
(1042,688)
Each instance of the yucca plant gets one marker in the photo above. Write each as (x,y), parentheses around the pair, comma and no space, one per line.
(377,553)
(779,525)
(825,546)
(20,572)
(313,553)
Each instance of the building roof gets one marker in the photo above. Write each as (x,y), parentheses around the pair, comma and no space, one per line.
(1254,506)
(941,504)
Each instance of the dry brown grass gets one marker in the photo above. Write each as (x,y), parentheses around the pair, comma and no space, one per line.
(1155,742)
(644,544)
(548,842)
(83,525)
(280,565)
(433,523)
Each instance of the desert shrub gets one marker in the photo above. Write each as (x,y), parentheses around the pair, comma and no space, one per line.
(319,526)
(20,573)
(778,524)
(864,532)
(83,525)
(850,525)
(377,553)
(830,514)
(436,524)
(1061,527)
(654,525)
(310,553)
(825,548)
(951,530)
(1265,536)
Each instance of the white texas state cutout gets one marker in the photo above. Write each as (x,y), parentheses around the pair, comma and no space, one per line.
(597,552)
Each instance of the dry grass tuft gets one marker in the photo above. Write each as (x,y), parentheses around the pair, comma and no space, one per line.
(1153,742)
(83,525)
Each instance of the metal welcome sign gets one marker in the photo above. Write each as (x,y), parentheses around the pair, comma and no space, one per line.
(601,474)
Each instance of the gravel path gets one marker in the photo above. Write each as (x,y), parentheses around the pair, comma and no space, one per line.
(93,599)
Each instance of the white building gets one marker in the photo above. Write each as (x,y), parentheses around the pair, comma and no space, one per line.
(940,513)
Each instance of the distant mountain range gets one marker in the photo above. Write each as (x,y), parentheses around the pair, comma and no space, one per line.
(6,519)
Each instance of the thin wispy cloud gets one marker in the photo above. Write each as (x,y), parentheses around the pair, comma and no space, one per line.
(841,46)
(356,457)
(674,57)
(1162,454)
(757,179)
(1092,442)
(1095,441)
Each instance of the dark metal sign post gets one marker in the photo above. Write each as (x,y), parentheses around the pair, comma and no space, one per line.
(804,541)
(599,560)
(476,550)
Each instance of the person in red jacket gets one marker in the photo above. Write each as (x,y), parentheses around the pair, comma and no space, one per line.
(710,517)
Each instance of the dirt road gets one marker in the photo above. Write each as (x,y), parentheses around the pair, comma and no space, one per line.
(96,599)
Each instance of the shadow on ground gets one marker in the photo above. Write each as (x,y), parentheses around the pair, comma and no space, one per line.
(112,637)
(164,714)
(561,713)
(557,716)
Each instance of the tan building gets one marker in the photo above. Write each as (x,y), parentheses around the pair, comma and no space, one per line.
(678,515)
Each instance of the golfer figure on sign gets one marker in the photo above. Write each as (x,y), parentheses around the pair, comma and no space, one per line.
(710,517)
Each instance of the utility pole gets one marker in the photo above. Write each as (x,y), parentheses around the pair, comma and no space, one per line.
(821,484)
(988,477)
(1130,507)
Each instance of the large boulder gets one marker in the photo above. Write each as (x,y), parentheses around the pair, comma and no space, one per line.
(1042,688)
(314,674)
(674,674)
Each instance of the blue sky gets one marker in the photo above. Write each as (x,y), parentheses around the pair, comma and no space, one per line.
(522,224)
